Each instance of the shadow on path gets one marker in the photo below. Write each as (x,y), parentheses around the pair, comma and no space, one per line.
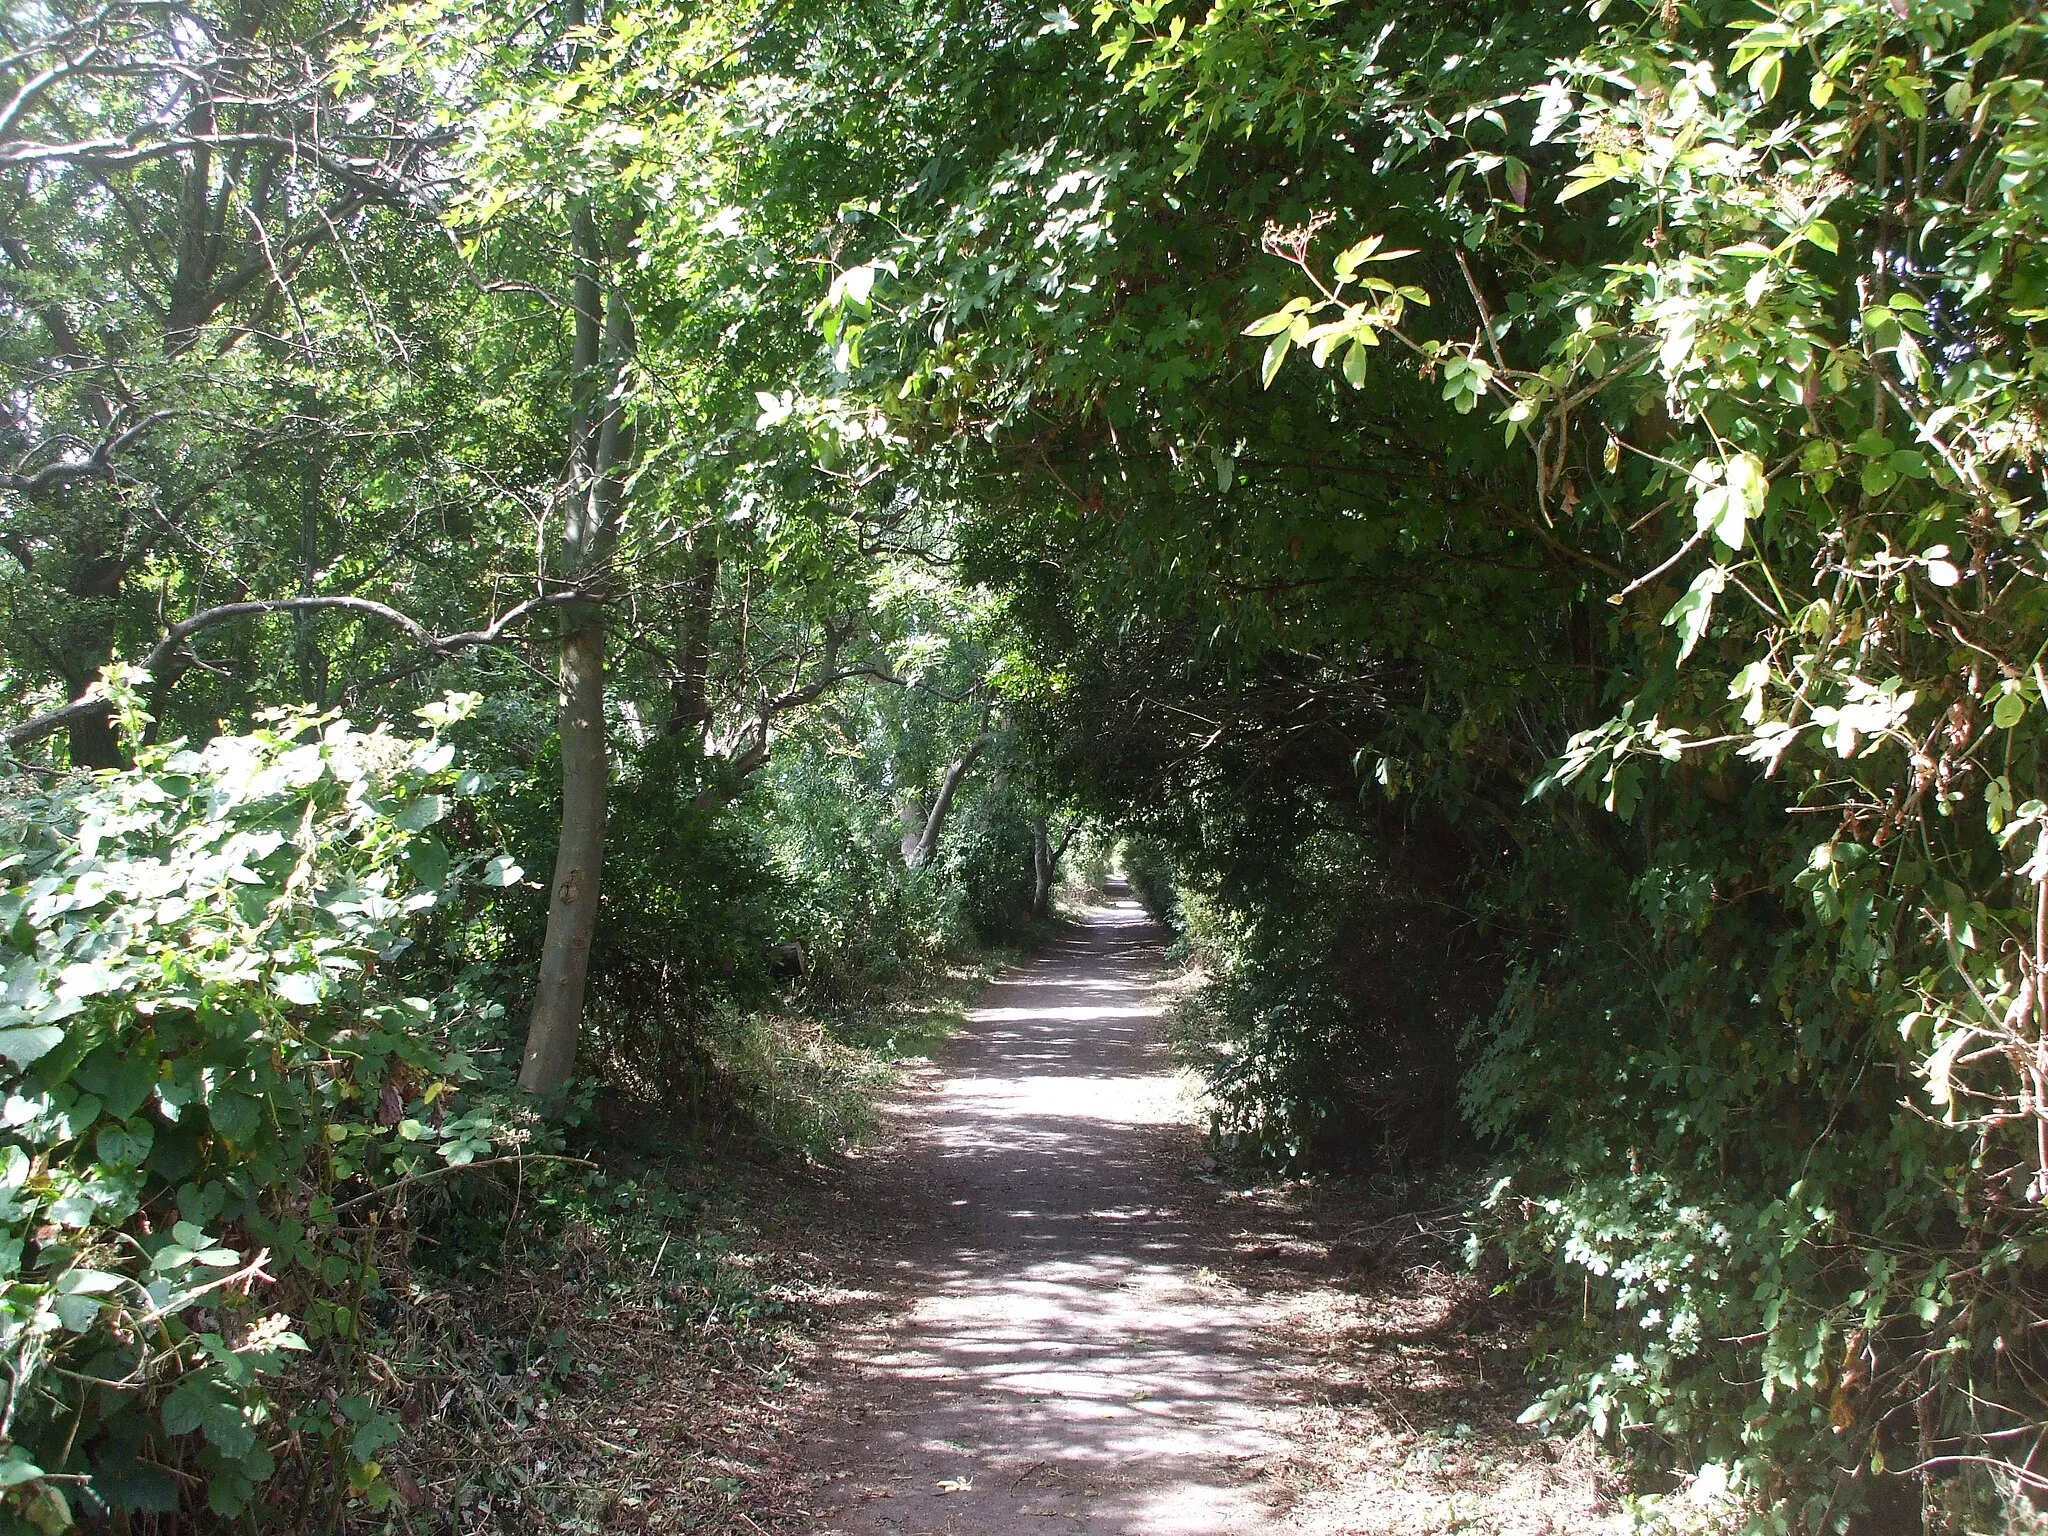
(1073,1362)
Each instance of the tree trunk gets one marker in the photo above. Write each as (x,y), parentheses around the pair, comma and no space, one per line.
(95,743)
(95,584)
(1041,868)
(927,844)
(579,860)
(600,448)
(1045,861)
(689,711)
(311,659)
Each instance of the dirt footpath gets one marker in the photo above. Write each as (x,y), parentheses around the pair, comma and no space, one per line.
(1057,1323)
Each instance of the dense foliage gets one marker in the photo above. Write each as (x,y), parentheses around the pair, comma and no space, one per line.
(216,1059)
(1529,516)
(1643,564)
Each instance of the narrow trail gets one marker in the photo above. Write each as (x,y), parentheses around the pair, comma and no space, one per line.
(1057,1323)
(1074,1362)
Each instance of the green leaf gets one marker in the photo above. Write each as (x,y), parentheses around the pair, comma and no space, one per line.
(301,989)
(1691,614)
(1765,73)
(421,814)
(1582,184)
(1910,93)
(76,1313)
(1745,490)
(22,1046)
(234,1115)
(122,1075)
(1354,365)
(126,1146)
(1276,354)
(1348,260)
(188,1404)
(429,861)
(2009,711)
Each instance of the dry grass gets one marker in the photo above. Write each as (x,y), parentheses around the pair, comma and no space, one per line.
(1412,1374)
(623,1374)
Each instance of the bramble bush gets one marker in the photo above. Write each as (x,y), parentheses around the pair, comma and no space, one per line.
(217,1061)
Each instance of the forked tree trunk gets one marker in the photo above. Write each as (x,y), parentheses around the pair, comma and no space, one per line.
(599,452)
(1045,862)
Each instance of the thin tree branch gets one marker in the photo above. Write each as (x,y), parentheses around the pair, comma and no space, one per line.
(93,702)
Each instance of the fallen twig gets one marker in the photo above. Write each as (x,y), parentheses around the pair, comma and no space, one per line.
(435,1173)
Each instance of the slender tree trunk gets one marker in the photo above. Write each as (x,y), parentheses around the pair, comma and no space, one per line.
(579,861)
(312,661)
(689,710)
(600,449)
(1041,868)
(928,841)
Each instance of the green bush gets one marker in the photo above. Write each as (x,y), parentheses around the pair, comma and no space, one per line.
(865,921)
(212,1066)
(1329,1032)
(1148,866)
(1086,867)
(692,905)
(986,859)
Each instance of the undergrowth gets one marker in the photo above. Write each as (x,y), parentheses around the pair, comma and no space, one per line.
(604,1342)
(604,1349)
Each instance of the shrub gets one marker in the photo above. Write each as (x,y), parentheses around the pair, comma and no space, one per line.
(692,905)
(1329,1032)
(212,1066)
(864,919)
(1148,865)
(987,860)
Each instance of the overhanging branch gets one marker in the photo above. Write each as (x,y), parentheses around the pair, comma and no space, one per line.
(92,703)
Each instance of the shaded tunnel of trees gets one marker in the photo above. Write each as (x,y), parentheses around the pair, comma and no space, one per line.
(532,535)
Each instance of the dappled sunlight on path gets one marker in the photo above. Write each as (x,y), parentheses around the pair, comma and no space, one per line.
(1061,1325)
(1074,1362)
